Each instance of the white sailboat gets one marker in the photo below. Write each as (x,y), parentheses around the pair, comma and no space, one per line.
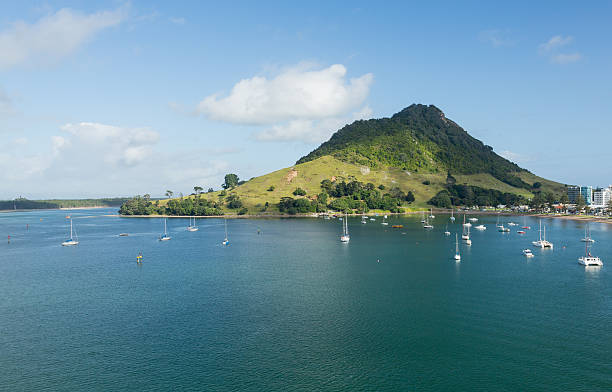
(427,225)
(452,217)
(192,227)
(165,236)
(465,236)
(527,253)
(422,216)
(480,227)
(71,241)
(345,237)
(457,255)
(468,224)
(384,222)
(431,215)
(364,220)
(542,243)
(587,235)
(589,260)
(446,232)
(225,240)
(468,241)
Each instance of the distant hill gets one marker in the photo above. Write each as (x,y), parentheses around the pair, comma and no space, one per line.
(411,159)
(26,204)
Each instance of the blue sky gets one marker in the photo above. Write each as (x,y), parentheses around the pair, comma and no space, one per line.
(113,98)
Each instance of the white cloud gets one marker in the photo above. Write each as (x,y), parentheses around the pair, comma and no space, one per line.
(94,160)
(178,21)
(127,146)
(556,42)
(515,157)
(497,38)
(310,131)
(299,93)
(551,49)
(53,36)
(565,58)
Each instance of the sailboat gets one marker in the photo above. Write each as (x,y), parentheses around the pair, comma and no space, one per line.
(466,224)
(501,228)
(165,236)
(384,222)
(225,240)
(427,225)
(71,241)
(466,232)
(542,243)
(364,220)
(446,232)
(422,216)
(345,237)
(192,227)
(525,224)
(431,215)
(589,260)
(452,217)
(587,235)
(457,255)
(468,241)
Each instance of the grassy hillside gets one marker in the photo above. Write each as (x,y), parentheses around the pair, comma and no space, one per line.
(308,176)
(414,150)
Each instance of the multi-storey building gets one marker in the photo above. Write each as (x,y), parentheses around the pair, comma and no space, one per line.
(601,197)
(572,193)
(587,194)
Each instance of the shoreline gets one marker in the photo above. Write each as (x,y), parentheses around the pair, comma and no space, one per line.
(582,218)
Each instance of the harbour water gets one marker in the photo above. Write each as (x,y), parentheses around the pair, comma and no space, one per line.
(288,307)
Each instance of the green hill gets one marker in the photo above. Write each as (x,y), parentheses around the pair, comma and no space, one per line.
(417,152)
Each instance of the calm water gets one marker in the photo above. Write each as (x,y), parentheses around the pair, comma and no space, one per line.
(294,309)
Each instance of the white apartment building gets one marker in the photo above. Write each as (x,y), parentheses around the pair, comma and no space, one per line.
(601,197)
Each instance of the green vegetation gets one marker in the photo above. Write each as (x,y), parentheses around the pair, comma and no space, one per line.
(465,195)
(142,205)
(231,181)
(407,159)
(419,138)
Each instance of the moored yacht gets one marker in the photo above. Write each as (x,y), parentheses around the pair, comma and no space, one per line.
(541,242)
(589,260)
(345,237)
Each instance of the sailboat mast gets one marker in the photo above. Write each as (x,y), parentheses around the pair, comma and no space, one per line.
(71,229)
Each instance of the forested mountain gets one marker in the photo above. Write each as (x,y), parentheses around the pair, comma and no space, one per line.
(418,139)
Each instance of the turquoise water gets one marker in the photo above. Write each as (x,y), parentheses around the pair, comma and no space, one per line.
(292,308)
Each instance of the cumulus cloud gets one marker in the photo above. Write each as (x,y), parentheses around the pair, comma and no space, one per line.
(556,42)
(92,160)
(310,131)
(127,146)
(53,36)
(552,47)
(298,93)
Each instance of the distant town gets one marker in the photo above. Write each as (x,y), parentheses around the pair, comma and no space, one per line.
(597,199)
